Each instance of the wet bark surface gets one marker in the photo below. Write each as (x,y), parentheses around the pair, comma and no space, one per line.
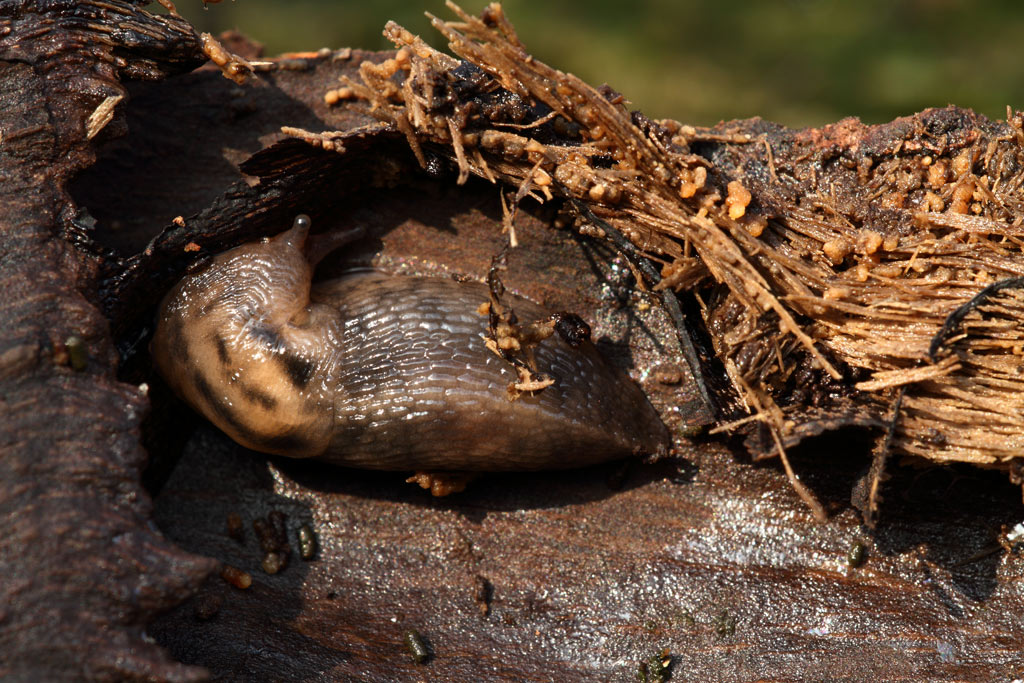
(84,569)
(578,575)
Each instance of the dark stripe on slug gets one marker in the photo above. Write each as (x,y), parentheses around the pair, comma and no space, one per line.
(222,349)
(256,396)
(204,389)
(299,369)
(281,443)
(217,405)
(268,337)
(184,354)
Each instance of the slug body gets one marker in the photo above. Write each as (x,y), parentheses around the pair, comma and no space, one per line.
(383,372)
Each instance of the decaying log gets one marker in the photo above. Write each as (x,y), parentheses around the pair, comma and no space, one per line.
(84,570)
(705,559)
(826,263)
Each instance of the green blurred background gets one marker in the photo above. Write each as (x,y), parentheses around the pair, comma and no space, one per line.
(797,62)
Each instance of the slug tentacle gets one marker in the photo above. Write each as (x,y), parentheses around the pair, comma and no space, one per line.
(384,372)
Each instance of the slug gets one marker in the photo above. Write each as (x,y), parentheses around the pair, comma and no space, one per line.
(383,372)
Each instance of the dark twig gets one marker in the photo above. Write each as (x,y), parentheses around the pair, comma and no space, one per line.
(668,299)
(954,319)
(876,474)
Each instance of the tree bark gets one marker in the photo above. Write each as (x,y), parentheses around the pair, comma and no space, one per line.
(84,569)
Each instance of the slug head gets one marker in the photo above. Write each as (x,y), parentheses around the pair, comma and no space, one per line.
(241,343)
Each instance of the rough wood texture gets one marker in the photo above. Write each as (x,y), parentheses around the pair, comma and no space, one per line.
(84,569)
(827,263)
(567,576)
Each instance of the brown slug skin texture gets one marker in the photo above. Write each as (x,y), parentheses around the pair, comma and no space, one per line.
(383,372)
